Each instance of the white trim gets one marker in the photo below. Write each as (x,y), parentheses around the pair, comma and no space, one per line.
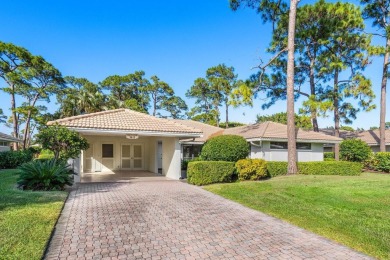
(145,133)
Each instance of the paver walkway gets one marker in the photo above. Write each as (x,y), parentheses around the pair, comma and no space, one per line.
(174,220)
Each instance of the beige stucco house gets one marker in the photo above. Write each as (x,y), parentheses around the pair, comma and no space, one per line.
(123,140)
(6,141)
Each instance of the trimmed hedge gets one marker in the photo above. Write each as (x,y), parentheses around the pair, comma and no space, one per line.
(207,172)
(330,168)
(317,168)
(251,169)
(230,148)
(13,159)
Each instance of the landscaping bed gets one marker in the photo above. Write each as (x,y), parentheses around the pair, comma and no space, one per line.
(26,218)
(352,210)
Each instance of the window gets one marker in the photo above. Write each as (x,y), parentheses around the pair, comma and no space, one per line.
(3,143)
(304,146)
(283,146)
(107,150)
(191,151)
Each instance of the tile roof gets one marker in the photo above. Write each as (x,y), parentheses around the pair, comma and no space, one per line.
(276,131)
(9,138)
(371,137)
(208,130)
(125,120)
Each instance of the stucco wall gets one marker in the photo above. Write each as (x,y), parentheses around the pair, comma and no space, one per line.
(171,157)
(117,141)
(4,148)
(268,154)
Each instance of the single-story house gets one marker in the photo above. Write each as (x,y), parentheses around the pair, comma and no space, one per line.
(123,139)
(371,137)
(6,141)
(267,140)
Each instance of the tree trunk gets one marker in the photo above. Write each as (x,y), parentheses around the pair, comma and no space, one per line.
(227,114)
(292,152)
(382,123)
(313,93)
(336,113)
(26,129)
(14,118)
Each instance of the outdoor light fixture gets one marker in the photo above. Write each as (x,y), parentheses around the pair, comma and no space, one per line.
(132,137)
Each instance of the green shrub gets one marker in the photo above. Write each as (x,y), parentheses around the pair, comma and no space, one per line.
(329,155)
(184,163)
(317,168)
(13,159)
(45,175)
(276,168)
(207,172)
(251,169)
(330,168)
(382,161)
(230,148)
(46,154)
(329,159)
(354,150)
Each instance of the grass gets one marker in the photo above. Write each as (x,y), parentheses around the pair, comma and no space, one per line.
(352,210)
(26,218)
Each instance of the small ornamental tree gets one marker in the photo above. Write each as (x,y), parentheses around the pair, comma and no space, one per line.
(230,148)
(63,142)
(354,150)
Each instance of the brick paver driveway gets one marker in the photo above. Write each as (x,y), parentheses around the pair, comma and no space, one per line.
(174,220)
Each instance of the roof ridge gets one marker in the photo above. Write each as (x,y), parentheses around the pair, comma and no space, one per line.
(265,128)
(66,119)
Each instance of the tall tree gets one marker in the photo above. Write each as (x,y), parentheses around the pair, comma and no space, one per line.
(272,10)
(204,110)
(159,92)
(79,97)
(301,121)
(379,12)
(344,61)
(3,118)
(13,60)
(127,91)
(175,106)
(222,82)
(41,80)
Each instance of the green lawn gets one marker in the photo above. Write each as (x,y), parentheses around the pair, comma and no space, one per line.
(354,211)
(26,218)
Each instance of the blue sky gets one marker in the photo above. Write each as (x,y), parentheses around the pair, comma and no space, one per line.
(175,40)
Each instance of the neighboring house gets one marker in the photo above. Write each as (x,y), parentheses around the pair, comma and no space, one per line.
(123,139)
(371,137)
(268,140)
(6,141)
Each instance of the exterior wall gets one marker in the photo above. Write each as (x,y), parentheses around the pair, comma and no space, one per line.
(375,148)
(265,152)
(171,158)
(117,141)
(4,148)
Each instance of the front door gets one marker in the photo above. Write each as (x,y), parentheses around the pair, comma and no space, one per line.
(89,161)
(132,157)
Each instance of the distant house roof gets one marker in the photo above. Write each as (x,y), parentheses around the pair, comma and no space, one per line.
(276,131)
(208,130)
(126,121)
(8,138)
(371,137)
